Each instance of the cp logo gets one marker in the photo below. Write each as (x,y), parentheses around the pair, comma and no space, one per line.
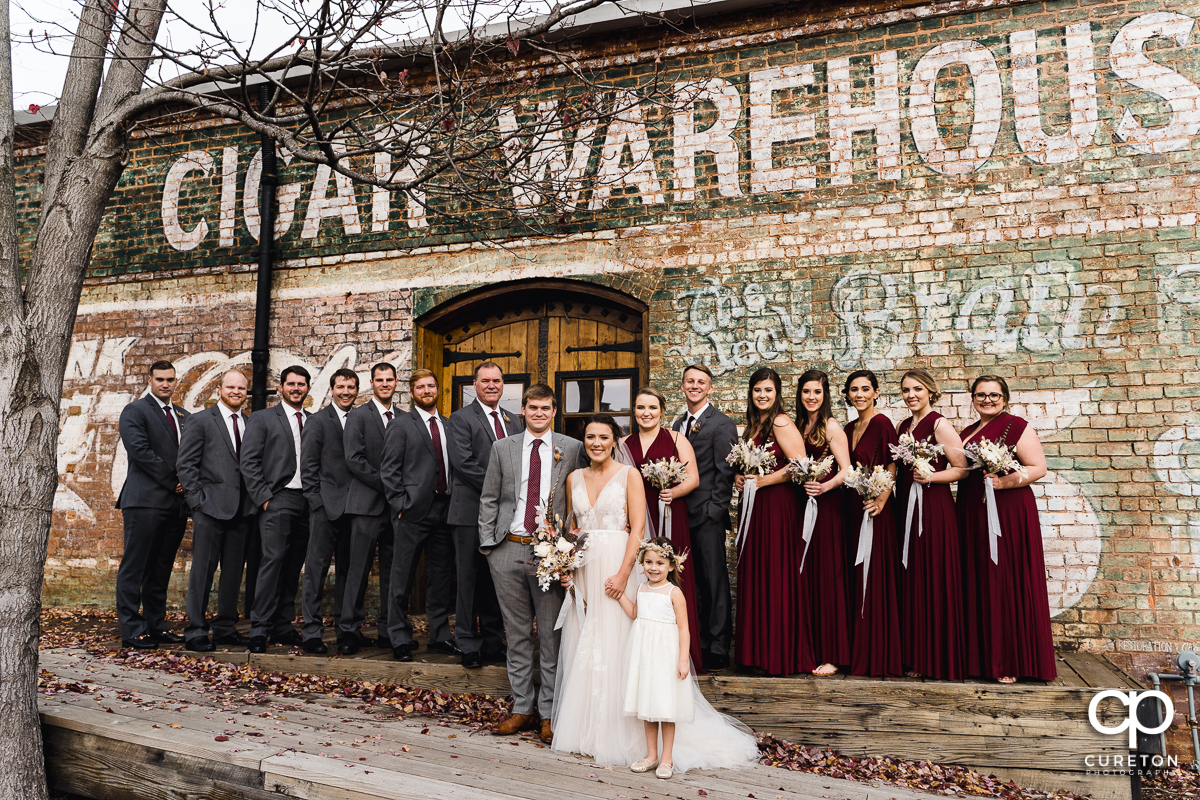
(1132,723)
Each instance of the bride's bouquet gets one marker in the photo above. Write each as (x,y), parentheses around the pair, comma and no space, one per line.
(919,455)
(749,459)
(663,474)
(870,485)
(994,458)
(558,551)
(802,470)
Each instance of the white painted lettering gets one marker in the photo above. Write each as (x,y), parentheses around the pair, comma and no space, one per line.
(717,139)
(882,117)
(767,130)
(626,130)
(343,204)
(988,104)
(1038,146)
(177,236)
(1132,65)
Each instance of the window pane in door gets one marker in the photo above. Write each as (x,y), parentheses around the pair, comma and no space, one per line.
(575,426)
(624,422)
(616,394)
(510,398)
(580,397)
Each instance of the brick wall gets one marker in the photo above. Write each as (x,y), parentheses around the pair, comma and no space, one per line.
(1007,188)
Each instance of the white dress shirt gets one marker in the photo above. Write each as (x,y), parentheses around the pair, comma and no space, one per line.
(694,418)
(487,413)
(294,424)
(425,417)
(341,416)
(546,453)
(383,411)
(227,415)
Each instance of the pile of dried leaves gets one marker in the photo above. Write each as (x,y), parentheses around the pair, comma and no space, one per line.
(94,630)
(1177,782)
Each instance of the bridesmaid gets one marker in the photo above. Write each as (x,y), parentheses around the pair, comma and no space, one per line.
(772,623)
(1008,612)
(823,579)
(875,648)
(652,442)
(932,641)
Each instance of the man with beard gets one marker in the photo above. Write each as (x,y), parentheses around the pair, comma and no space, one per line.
(416,476)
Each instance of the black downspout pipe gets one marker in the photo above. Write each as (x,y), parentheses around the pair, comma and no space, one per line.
(260,356)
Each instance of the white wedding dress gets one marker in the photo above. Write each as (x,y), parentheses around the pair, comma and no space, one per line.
(594,656)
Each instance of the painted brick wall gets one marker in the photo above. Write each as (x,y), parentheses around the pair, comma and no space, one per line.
(1007,188)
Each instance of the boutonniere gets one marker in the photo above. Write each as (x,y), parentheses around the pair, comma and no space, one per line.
(558,454)
(696,428)
(506,419)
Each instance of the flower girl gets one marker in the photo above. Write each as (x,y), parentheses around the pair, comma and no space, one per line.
(660,688)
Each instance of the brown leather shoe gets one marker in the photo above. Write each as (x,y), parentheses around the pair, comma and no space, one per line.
(515,724)
(547,734)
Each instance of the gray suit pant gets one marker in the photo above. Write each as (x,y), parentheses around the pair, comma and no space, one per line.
(215,541)
(432,535)
(152,537)
(712,587)
(368,533)
(514,571)
(283,531)
(478,623)
(327,540)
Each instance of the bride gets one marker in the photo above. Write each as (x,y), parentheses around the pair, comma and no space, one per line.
(608,499)
(609,503)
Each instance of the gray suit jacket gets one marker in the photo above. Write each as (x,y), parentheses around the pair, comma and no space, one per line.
(153,451)
(362,443)
(474,435)
(269,453)
(498,502)
(208,468)
(409,467)
(323,463)
(712,439)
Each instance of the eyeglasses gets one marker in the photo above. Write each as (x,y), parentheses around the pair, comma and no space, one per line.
(988,398)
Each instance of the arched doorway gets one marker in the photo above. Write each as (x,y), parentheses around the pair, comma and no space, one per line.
(585,341)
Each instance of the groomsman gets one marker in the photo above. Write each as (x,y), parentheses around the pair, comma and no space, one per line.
(523,471)
(474,428)
(416,476)
(151,503)
(370,522)
(213,488)
(712,435)
(270,465)
(326,481)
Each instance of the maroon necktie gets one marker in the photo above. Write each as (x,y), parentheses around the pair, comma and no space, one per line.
(388,414)
(533,494)
(300,421)
(687,434)
(499,428)
(436,435)
(171,421)
(237,438)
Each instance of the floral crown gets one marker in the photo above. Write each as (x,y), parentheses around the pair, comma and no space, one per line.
(668,552)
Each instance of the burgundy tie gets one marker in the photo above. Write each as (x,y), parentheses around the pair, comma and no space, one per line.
(499,428)
(171,421)
(533,495)
(436,435)
(237,438)
(388,414)
(300,420)
(687,434)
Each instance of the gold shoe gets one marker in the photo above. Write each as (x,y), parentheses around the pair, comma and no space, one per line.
(664,771)
(645,765)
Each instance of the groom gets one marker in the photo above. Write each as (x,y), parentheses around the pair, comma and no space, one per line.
(523,472)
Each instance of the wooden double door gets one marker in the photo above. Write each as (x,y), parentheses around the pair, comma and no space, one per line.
(585,342)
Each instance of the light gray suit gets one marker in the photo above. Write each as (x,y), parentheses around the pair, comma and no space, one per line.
(514,568)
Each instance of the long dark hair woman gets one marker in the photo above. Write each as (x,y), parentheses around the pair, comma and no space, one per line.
(772,619)
(875,648)
(1007,609)
(823,574)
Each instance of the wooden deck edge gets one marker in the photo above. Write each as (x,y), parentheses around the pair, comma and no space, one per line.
(1098,787)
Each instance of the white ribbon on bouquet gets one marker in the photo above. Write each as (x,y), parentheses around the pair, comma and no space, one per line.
(569,603)
(993,517)
(749,488)
(866,536)
(916,502)
(810,525)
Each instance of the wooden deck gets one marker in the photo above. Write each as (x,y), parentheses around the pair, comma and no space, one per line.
(150,735)
(1035,733)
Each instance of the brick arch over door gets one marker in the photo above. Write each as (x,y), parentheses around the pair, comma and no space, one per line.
(585,340)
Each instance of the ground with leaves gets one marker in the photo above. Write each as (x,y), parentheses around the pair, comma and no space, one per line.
(95,631)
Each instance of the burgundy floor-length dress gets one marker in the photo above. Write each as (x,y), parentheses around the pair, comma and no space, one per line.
(680,534)
(932,640)
(1007,607)
(772,621)
(875,647)
(823,580)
